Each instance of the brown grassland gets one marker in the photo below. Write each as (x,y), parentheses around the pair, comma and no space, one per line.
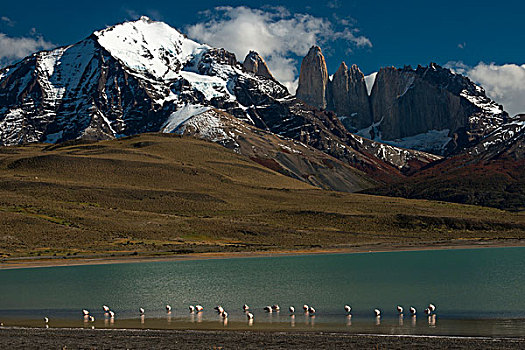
(167,195)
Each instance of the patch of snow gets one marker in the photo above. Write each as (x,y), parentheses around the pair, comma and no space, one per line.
(369,81)
(433,141)
(409,85)
(180,116)
(210,86)
(367,132)
(147,46)
(486,104)
(211,127)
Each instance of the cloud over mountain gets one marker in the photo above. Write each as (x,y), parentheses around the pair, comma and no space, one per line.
(275,33)
(14,48)
(503,83)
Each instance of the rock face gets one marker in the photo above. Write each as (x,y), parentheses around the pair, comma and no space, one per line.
(345,93)
(410,102)
(430,109)
(348,98)
(313,79)
(255,64)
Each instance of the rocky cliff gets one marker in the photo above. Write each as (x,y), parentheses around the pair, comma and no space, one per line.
(348,98)
(431,108)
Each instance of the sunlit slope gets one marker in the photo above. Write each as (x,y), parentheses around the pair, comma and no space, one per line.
(168,194)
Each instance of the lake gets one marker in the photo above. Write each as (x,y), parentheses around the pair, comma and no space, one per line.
(476,291)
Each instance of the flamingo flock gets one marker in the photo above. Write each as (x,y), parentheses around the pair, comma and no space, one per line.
(308,310)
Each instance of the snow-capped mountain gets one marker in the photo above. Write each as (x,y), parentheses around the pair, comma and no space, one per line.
(122,80)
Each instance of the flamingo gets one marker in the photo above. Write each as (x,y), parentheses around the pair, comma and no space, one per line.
(305,308)
(111,314)
(427,311)
(348,309)
(399,309)
(219,309)
(141,310)
(85,312)
(249,315)
(377,312)
(224,314)
(168,308)
(105,308)
(311,310)
(276,307)
(192,308)
(413,311)
(91,319)
(46,320)
(292,309)
(245,307)
(199,308)
(432,307)
(268,309)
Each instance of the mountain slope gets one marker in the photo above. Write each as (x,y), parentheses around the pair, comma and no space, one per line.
(286,156)
(489,174)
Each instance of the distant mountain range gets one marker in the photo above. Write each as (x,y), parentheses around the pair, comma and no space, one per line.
(144,76)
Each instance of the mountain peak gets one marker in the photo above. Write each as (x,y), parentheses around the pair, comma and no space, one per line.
(255,64)
(313,78)
(150,48)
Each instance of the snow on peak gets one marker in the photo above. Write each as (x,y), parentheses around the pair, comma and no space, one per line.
(482,101)
(150,48)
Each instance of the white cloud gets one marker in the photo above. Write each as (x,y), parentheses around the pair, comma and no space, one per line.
(275,33)
(505,83)
(8,21)
(12,49)
(369,81)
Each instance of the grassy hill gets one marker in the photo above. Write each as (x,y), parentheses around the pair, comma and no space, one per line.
(165,194)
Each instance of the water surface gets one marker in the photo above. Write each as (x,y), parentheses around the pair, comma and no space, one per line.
(476,291)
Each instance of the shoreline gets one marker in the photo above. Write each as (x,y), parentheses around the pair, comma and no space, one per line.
(34,338)
(32,262)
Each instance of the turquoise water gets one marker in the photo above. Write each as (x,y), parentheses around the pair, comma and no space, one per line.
(471,285)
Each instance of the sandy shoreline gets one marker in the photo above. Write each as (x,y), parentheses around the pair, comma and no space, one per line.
(39,338)
(15,263)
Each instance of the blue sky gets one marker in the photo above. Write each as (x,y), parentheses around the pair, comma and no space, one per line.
(371,34)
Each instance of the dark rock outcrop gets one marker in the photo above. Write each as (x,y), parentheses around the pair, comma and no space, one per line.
(254,63)
(313,79)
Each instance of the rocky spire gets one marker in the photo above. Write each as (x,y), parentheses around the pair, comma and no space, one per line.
(348,98)
(255,64)
(313,79)
(337,94)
